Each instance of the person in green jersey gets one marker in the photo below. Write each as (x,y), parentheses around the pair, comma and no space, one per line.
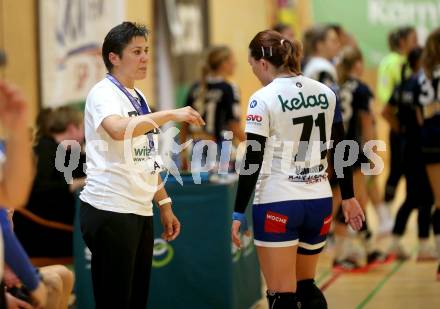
(401,42)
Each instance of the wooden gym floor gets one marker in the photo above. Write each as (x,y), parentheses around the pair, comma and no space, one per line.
(397,284)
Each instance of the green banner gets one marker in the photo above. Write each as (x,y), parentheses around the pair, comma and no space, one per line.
(370,21)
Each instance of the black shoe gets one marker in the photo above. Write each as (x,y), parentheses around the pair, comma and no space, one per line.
(376,257)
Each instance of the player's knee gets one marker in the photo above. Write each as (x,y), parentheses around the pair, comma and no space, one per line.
(67,276)
(310,296)
(54,284)
(282,300)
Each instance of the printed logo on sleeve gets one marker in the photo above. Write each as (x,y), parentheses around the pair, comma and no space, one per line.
(253,104)
(275,222)
(254,119)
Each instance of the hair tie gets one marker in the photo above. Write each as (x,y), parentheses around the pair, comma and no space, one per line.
(270,51)
(262,50)
(282,41)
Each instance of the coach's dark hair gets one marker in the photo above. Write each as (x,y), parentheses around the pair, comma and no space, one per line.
(431,53)
(279,51)
(119,37)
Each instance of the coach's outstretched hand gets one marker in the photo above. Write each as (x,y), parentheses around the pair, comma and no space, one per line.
(353,213)
(189,115)
(170,223)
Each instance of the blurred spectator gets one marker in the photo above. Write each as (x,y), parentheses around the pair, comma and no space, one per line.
(15,159)
(400,41)
(45,226)
(390,73)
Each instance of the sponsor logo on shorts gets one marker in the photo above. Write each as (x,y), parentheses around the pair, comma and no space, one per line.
(326,226)
(275,222)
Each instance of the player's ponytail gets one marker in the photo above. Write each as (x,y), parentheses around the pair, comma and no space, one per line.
(291,55)
(276,49)
(349,56)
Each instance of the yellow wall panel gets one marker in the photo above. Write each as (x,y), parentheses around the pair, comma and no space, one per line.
(235,23)
(19,39)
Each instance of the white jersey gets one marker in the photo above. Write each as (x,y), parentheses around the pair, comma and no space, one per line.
(121,175)
(321,69)
(296,115)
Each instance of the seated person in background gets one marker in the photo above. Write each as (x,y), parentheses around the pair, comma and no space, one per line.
(45,227)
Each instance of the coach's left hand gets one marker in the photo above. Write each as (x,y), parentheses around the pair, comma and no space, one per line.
(170,223)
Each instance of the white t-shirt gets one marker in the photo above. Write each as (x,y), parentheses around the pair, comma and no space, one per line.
(286,111)
(315,68)
(122,176)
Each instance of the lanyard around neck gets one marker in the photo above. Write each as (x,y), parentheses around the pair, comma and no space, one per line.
(139,105)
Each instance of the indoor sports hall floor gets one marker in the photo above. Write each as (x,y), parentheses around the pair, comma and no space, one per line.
(397,284)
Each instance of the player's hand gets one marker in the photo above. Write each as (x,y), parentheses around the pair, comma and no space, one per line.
(189,115)
(13,108)
(353,213)
(15,303)
(170,223)
(39,296)
(239,223)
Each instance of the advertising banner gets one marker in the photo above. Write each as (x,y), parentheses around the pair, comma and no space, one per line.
(71,35)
